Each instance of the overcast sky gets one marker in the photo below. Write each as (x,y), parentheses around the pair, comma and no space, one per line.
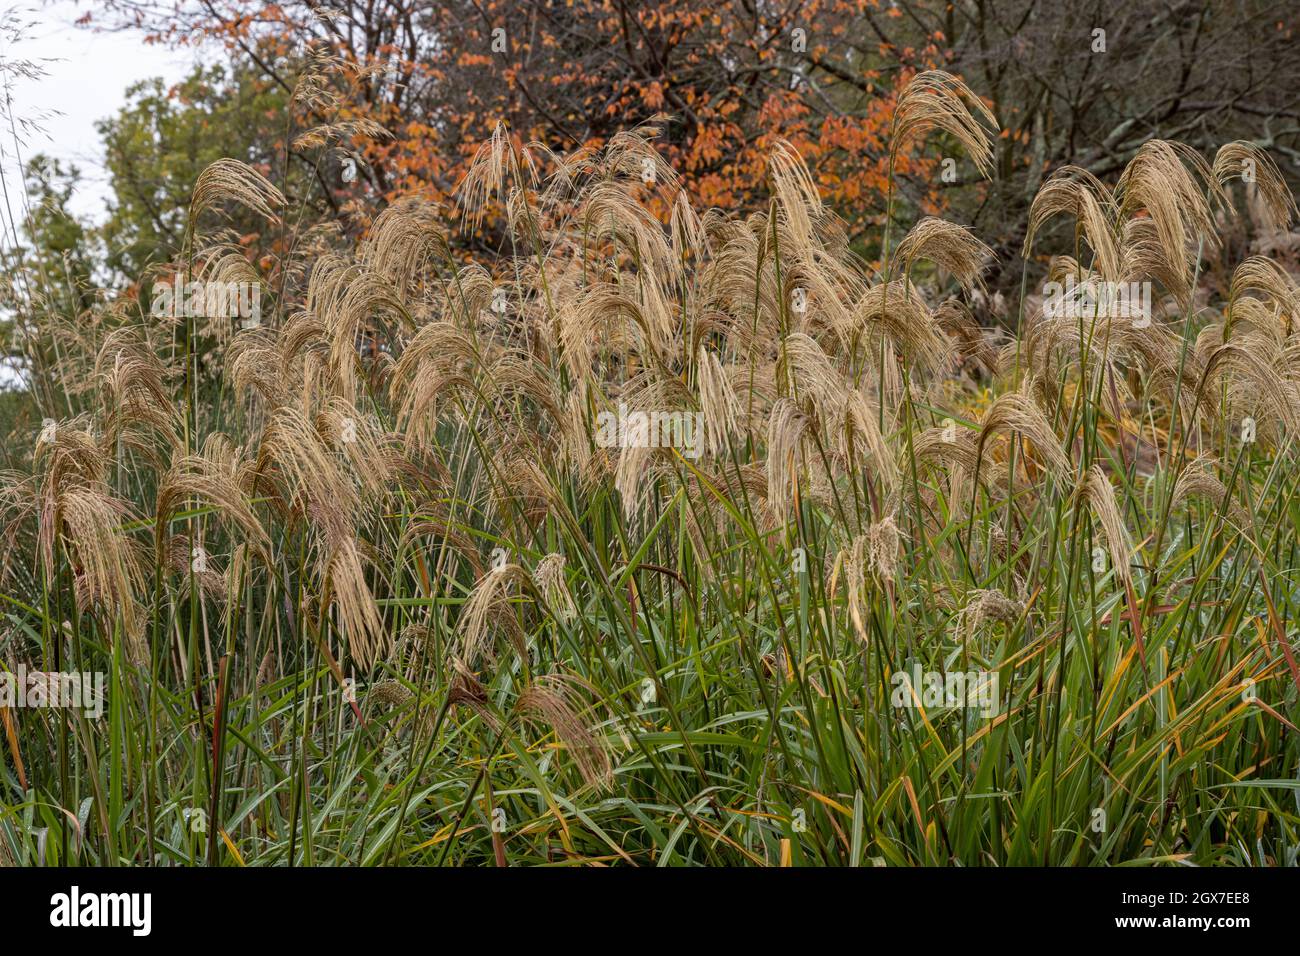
(88,73)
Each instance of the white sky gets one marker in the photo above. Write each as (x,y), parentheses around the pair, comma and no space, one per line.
(88,73)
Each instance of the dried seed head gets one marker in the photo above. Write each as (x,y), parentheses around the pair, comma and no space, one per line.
(1254,165)
(554,587)
(938,100)
(486,176)
(230,179)
(392,693)
(1157,182)
(1078,193)
(1016,412)
(1198,481)
(984,605)
(785,432)
(951,247)
(722,409)
(488,608)
(351,597)
(553,702)
(1097,491)
(797,196)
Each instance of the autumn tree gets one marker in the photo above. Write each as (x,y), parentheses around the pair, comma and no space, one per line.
(1081,84)
(159,142)
(734,79)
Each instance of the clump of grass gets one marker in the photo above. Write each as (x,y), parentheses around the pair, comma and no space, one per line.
(445,623)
